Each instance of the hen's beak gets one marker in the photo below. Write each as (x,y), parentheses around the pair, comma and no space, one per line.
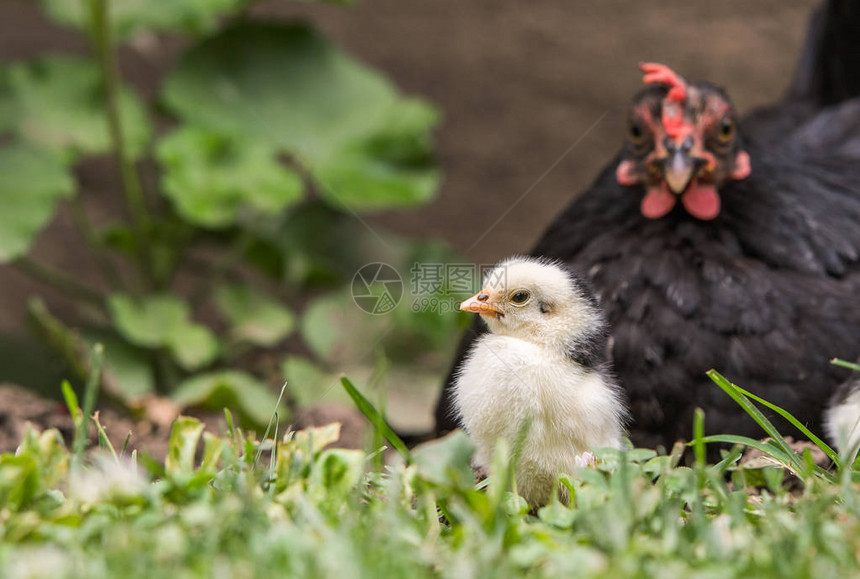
(480,304)
(680,166)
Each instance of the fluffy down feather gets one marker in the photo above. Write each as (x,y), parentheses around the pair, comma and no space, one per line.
(529,370)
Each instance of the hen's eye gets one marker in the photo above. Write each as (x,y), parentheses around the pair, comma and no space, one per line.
(727,129)
(636,134)
(520,297)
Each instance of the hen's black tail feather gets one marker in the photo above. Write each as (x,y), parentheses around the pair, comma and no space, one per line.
(829,68)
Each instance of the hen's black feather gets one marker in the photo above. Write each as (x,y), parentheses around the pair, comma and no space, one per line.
(767,293)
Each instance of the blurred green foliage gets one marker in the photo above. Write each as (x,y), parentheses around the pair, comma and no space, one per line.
(266,141)
(56,103)
(33,181)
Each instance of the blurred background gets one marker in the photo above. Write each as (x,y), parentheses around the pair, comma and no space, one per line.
(488,106)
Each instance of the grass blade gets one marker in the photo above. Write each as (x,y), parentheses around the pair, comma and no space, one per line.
(731,458)
(772,451)
(844,364)
(698,437)
(376,419)
(104,441)
(228,416)
(758,416)
(90,393)
(71,401)
(125,444)
(699,447)
(272,421)
(825,448)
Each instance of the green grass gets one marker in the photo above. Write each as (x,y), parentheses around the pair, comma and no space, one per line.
(230,506)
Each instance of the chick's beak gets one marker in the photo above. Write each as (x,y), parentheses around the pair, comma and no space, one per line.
(481,303)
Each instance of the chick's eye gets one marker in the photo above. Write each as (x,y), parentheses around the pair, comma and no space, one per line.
(520,297)
(727,129)
(635,132)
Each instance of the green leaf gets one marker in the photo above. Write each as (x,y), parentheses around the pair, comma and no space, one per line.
(130,17)
(254,317)
(358,180)
(193,346)
(32,182)
(321,327)
(49,454)
(286,85)
(298,254)
(375,417)
(19,481)
(557,515)
(59,104)
(182,447)
(640,455)
(335,329)
(315,438)
(148,321)
(363,144)
(157,321)
(252,399)
(389,169)
(71,400)
(215,180)
(337,470)
(447,459)
(128,365)
(308,383)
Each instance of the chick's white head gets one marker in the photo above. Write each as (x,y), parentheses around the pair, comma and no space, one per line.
(538,301)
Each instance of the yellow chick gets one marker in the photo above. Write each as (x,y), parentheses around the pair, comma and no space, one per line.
(544,361)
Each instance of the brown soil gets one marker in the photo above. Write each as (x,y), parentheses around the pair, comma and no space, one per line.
(18,407)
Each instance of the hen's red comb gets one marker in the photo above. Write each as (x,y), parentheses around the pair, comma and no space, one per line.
(662,74)
(673,103)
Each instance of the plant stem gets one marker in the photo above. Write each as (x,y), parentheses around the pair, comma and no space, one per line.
(90,392)
(59,337)
(72,348)
(103,44)
(85,230)
(58,279)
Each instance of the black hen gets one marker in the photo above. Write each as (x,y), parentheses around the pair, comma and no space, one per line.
(726,244)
